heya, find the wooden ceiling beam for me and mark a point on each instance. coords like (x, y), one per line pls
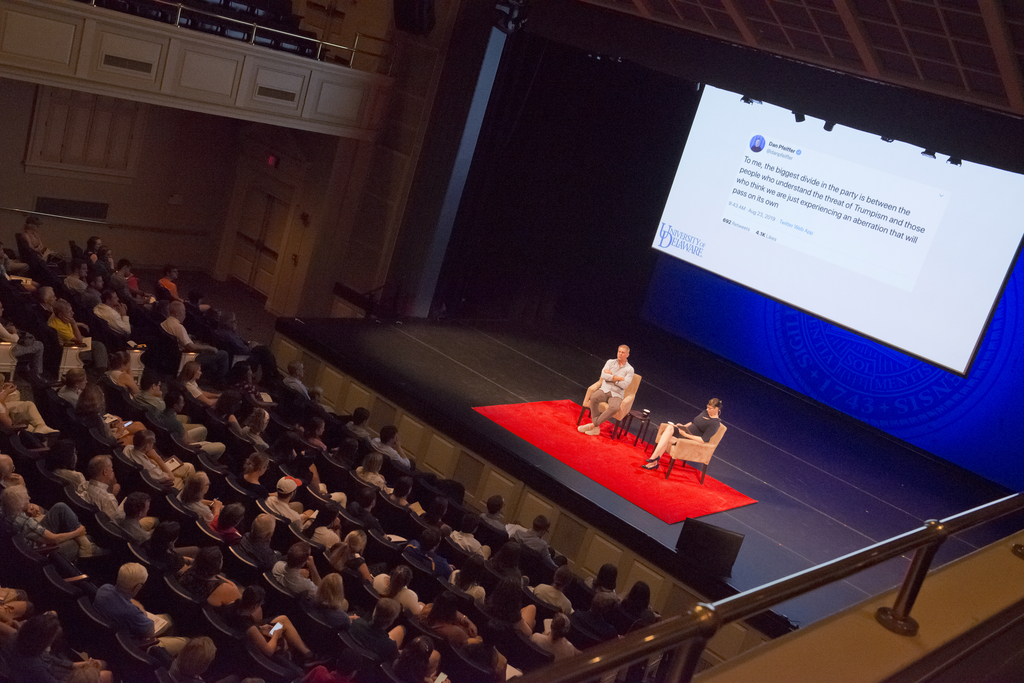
(860, 41)
(1002, 45)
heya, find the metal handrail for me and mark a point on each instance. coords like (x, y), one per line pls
(55, 215)
(321, 44)
(686, 635)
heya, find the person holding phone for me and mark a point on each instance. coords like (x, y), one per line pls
(268, 636)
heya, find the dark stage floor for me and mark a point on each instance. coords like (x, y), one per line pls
(826, 485)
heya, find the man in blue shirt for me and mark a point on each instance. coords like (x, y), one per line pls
(118, 604)
(425, 551)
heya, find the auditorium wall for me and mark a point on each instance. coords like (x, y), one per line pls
(179, 194)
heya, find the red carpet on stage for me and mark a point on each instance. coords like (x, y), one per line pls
(616, 465)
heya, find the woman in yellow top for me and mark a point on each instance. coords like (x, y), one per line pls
(70, 333)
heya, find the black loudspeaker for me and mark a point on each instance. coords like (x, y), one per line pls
(414, 16)
(709, 548)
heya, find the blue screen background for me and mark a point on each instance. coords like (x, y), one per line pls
(976, 422)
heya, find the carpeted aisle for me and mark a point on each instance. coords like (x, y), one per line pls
(616, 465)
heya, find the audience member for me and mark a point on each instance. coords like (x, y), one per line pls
(469, 578)
(443, 619)
(606, 580)
(120, 372)
(361, 508)
(213, 361)
(554, 593)
(189, 377)
(102, 488)
(62, 460)
(297, 572)
(136, 522)
(193, 496)
(329, 602)
(369, 471)
(193, 660)
(118, 603)
(281, 502)
(161, 549)
(464, 538)
(30, 658)
(204, 580)
(493, 518)
(424, 550)
(396, 586)
(256, 543)
(17, 413)
(74, 382)
(326, 528)
(504, 605)
(372, 634)
(594, 621)
(417, 662)
(246, 615)
(111, 311)
(25, 346)
(390, 444)
(255, 466)
(554, 639)
(295, 377)
(225, 524)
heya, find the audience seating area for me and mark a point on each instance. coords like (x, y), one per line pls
(269, 23)
(300, 439)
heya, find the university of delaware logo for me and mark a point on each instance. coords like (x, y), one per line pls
(677, 239)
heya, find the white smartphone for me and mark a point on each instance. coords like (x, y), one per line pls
(277, 627)
(129, 423)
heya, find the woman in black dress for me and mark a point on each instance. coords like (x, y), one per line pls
(701, 430)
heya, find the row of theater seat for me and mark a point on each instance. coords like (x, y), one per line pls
(268, 23)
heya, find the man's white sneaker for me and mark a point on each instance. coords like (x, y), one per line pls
(593, 431)
(585, 428)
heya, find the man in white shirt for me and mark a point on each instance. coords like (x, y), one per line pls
(390, 445)
(103, 487)
(214, 361)
(554, 594)
(465, 539)
(282, 504)
(113, 312)
(615, 378)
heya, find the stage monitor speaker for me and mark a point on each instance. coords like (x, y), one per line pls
(415, 16)
(709, 548)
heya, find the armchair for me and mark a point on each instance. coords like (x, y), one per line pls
(624, 407)
(691, 451)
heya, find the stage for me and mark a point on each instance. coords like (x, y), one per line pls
(825, 485)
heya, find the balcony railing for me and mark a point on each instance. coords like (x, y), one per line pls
(681, 640)
(302, 43)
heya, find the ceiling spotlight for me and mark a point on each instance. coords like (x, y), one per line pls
(885, 139)
(746, 100)
(928, 153)
(954, 161)
(829, 125)
(799, 117)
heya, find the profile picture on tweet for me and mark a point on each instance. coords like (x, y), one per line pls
(757, 143)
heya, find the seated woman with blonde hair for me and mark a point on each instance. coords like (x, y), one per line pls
(329, 602)
(369, 471)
